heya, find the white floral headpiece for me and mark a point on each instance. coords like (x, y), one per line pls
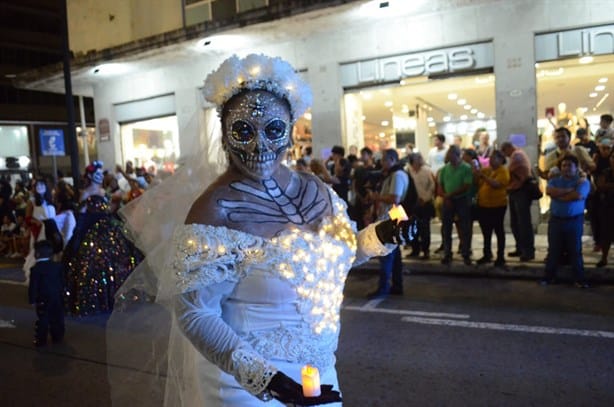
(258, 72)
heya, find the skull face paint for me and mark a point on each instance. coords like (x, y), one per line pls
(256, 132)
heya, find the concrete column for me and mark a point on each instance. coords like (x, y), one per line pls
(326, 109)
(515, 85)
(108, 151)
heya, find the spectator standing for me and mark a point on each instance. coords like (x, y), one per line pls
(605, 127)
(45, 293)
(423, 179)
(393, 190)
(319, 170)
(21, 238)
(605, 209)
(568, 193)
(340, 170)
(519, 168)
(583, 140)
(364, 180)
(436, 158)
(470, 156)
(492, 204)
(484, 149)
(7, 231)
(562, 139)
(455, 181)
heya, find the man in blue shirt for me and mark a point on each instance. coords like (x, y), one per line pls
(568, 194)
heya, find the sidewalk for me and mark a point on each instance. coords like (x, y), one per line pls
(514, 268)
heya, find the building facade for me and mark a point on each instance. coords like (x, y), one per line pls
(383, 74)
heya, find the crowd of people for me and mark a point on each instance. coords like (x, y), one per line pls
(84, 233)
(460, 186)
(253, 272)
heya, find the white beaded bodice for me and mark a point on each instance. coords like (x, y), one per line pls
(286, 291)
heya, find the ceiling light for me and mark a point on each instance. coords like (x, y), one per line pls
(364, 117)
(366, 95)
(452, 96)
(10, 75)
(593, 95)
(602, 80)
(405, 109)
(536, 65)
(599, 88)
(385, 123)
(431, 124)
(461, 102)
(446, 118)
(388, 103)
(586, 60)
(467, 107)
(382, 134)
(474, 110)
(429, 119)
(463, 117)
(602, 100)
(481, 115)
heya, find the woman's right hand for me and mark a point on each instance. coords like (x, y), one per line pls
(286, 390)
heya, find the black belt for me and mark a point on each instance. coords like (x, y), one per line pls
(565, 217)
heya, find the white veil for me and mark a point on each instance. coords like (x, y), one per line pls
(147, 358)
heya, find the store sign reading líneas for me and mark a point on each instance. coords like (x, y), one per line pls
(394, 68)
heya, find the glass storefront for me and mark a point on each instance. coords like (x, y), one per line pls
(409, 113)
(573, 93)
(152, 144)
(14, 149)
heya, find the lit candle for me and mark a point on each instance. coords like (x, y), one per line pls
(311, 381)
(397, 213)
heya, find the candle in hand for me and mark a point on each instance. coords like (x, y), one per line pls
(397, 213)
(311, 381)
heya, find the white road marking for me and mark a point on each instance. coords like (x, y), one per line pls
(6, 324)
(370, 307)
(510, 327)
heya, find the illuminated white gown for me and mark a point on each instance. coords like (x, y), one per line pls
(251, 306)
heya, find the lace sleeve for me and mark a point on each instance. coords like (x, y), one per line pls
(206, 255)
(199, 316)
(207, 263)
(368, 245)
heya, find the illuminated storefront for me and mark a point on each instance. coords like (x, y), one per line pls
(392, 101)
(152, 144)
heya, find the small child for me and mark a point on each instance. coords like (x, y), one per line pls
(45, 292)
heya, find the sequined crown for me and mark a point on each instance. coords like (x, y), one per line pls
(258, 72)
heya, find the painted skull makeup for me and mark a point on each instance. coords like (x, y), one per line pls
(257, 129)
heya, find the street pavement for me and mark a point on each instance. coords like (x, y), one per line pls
(459, 336)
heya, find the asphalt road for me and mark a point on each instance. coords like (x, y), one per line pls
(449, 341)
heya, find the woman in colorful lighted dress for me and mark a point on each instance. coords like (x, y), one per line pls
(98, 257)
(254, 278)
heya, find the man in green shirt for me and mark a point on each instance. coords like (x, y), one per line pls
(455, 180)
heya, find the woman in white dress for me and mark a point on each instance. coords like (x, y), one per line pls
(39, 208)
(256, 273)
